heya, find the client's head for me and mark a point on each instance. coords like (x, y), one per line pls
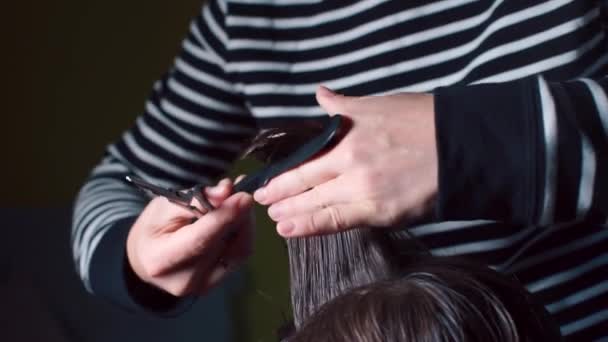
(437, 300)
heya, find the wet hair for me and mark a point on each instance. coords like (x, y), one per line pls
(381, 284)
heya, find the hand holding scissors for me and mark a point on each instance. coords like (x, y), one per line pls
(185, 241)
(186, 249)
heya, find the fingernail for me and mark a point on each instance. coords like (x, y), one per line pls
(285, 227)
(260, 195)
(274, 212)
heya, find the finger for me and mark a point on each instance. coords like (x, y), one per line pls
(206, 270)
(332, 102)
(206, 198)
(352, 106)
(215, 276)
(328, 220)
(173, 216)
(215, 265)
(235, 254)
(218, 193)
(185, 278)
(329, 193)
(192, 240)
(297, 180)
(335, 103)
(241, 245)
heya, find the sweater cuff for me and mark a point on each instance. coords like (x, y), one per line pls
(112, 278)
(488, 150)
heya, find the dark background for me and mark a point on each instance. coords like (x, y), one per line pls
(76, 74)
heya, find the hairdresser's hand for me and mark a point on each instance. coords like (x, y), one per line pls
(168, 250)
(383, 172)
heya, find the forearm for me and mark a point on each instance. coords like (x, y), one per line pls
(522, 152)
(103, 201)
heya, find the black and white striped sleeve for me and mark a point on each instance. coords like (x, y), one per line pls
(191, 130)
(528, 151)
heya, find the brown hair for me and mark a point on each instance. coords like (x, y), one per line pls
(439, 299)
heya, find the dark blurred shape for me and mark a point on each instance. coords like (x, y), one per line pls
(42, 299)
(75, 76)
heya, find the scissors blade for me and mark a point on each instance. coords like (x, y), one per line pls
(180, 198)
(155, 189)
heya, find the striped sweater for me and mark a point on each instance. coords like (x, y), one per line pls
(522, 127)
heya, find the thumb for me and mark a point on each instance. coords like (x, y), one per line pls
(332, 102)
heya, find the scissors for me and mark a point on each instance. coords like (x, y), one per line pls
(250, 183)
(183, 198)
